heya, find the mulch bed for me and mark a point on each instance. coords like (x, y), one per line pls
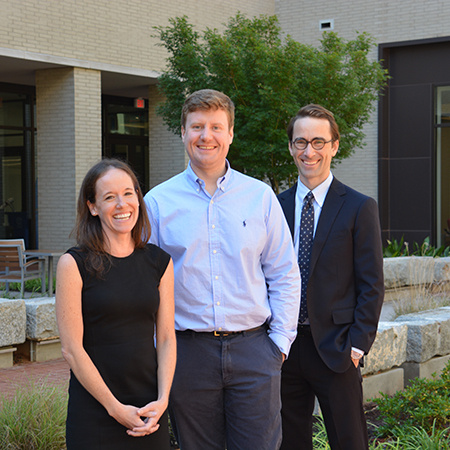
(373, 419)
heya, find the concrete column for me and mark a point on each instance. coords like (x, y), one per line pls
(68, 104)
(167, 155)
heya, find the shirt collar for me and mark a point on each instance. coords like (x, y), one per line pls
(222, 182)
(320, 192)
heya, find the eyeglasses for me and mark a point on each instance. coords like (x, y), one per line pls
(316, 143)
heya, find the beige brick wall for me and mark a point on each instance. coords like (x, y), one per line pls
(386, 21)
(167, 155)
(360, 171)
(88, 122)
(109, 31)
(68, 104)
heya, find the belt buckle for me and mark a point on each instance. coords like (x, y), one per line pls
(220, 334)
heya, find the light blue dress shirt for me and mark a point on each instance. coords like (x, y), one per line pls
(234, 262)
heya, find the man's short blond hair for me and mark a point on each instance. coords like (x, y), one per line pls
(206, 99)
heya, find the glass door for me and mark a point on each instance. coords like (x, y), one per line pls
(443, 165)
(16, 167)
(125, 135)
(135, 154)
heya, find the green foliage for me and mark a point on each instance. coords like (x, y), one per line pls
(320, 439)
(30, 285)
(269, 79)
(428, 250)
(34, 418)
(425, 404)
(417, 418)
(418, 439)
(395, 248)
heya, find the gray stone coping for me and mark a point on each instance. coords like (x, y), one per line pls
(41, 318)
(411, 338)
(413, 270)
(428, 334)
(13, 321)
(389, 348)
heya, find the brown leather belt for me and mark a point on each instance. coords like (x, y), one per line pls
(218, 333)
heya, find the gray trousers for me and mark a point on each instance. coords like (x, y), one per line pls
(226, 392)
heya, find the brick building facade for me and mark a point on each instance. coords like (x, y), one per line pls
(69, 70)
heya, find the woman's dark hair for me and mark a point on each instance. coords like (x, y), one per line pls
(88, 229)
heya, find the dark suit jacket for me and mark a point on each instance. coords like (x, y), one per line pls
(346, 286)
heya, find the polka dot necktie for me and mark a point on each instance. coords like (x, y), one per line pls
(304, 249)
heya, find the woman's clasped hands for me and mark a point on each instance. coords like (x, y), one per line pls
(144, 421)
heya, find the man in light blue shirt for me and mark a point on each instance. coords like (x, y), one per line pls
(237, 288)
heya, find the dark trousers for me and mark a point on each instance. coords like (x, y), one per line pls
(304, 376)
(226, 392)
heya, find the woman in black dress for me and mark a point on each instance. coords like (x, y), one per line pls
(114, 300)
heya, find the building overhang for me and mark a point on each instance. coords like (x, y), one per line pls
(19, 67)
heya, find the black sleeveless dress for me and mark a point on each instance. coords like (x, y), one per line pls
(119, 317)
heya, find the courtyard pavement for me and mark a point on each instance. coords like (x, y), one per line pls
(55, 371)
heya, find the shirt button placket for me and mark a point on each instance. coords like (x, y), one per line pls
(215, 264)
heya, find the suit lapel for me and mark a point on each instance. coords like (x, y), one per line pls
(331, 207)
(287, 200)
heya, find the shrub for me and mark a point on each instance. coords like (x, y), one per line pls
(417, 438)
(34, 419)
(395, 248)
(425, 403)
(30, 286)
(320, 439)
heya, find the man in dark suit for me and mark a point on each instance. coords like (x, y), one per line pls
(337, 233)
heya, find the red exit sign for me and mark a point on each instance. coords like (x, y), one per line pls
(139, 103)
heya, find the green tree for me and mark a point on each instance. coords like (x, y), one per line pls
(269, 79)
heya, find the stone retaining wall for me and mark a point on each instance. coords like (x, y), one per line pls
(41, 318)
(29, 327)
(13, 321)
(12, 329)
(407, 271)
(412, 345)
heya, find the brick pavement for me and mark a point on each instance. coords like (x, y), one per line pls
(55, 371)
